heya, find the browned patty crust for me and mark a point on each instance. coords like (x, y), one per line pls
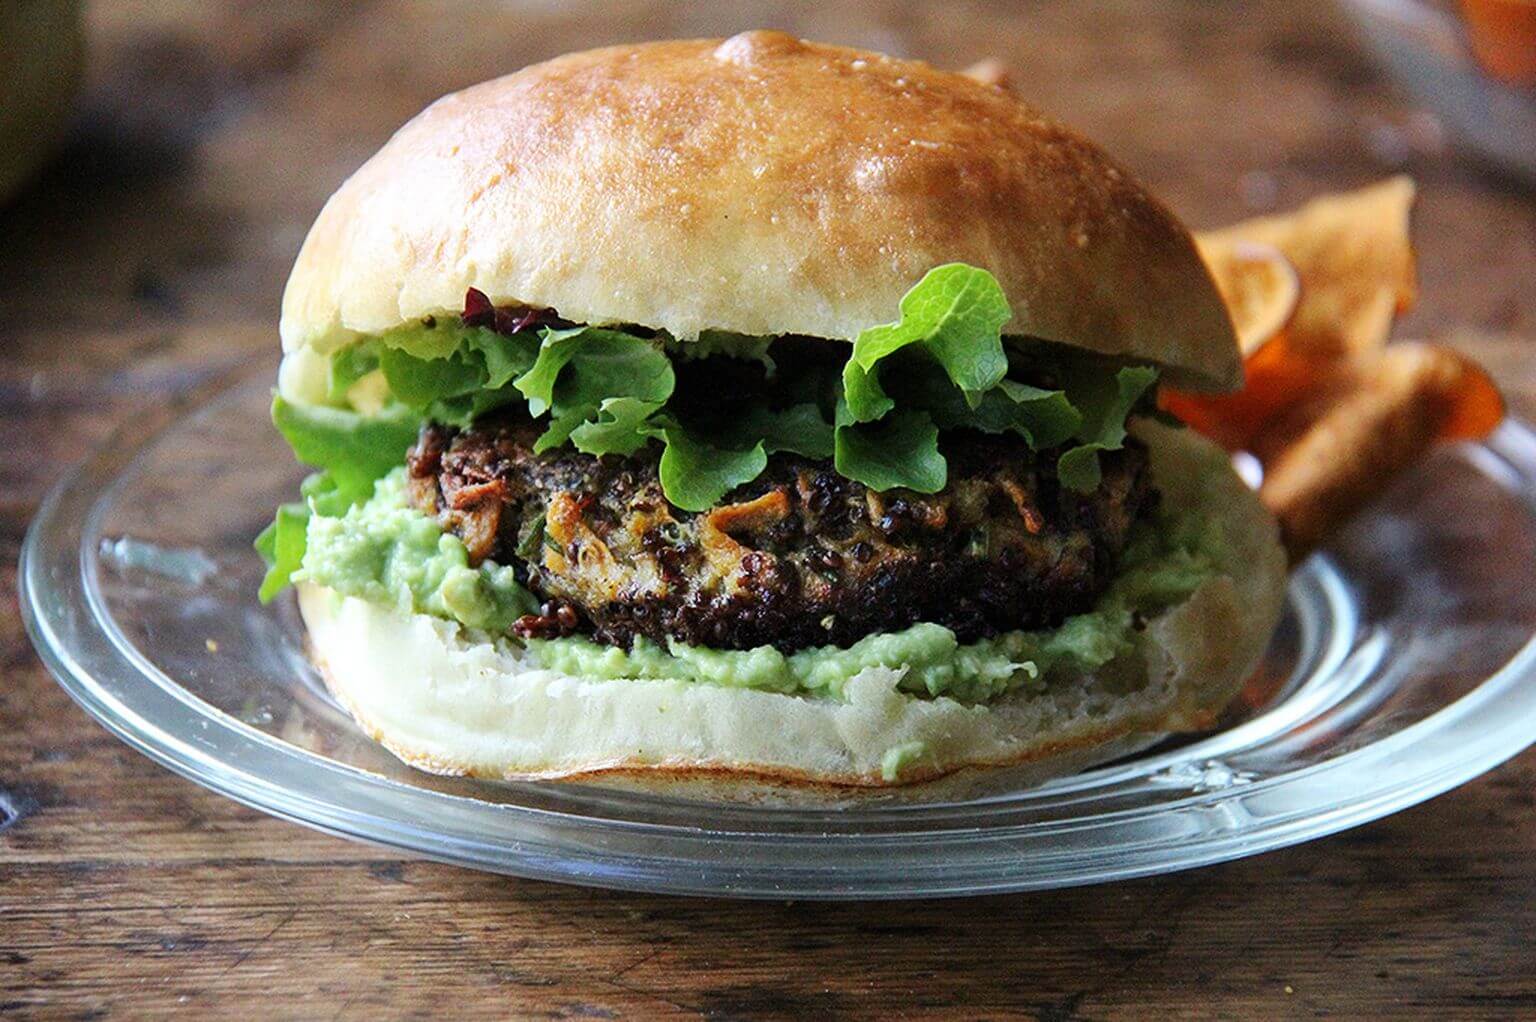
(798, 557)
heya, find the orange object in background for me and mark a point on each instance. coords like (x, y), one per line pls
(1257, 282)
(1377, 417)
(1504, 37)
(1351, 254)
(1329, 408)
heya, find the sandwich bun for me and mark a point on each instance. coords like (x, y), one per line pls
(761, 185)
(460, 703)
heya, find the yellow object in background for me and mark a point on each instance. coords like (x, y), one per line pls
(42, 55)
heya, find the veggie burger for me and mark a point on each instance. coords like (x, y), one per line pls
(758, 409)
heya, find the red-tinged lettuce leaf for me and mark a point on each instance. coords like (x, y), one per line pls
(479, 311)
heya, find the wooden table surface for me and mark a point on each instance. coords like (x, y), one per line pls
(151, 257)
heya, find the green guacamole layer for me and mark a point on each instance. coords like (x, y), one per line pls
(387, 552)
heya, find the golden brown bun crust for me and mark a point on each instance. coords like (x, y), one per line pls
(761, 185)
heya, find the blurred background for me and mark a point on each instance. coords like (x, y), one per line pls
(151, 203)
(160, 162)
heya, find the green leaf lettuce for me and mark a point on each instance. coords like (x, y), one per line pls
(941, 366)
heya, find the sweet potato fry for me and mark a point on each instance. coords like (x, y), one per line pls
(1353, 255)
(1384, 412)
(1329, 410)
(1503, 34)
(1282, 385)
(1258, 283)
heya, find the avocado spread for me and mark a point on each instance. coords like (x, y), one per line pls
(387, 552)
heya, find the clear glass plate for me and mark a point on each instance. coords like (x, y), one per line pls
(1403, 668)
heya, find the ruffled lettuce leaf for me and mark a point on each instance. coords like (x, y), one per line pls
(354, 449)
(349, 365)
(723, 344)
(1043, 417)
(577, 370)
(955, 314)
(281, 545)
(504, 358)
(942, 365)
(605, 392)
(695, 475)
(899, 450)
(555, 352)
(1105, 402)
(452, 383)
(800, 429)
(954, 317)
(419, 382)
(622, 426)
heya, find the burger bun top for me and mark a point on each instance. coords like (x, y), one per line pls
(761, 185)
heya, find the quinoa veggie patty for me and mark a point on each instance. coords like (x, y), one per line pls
(801, 556)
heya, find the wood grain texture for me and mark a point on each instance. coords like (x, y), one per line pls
(150, 258)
